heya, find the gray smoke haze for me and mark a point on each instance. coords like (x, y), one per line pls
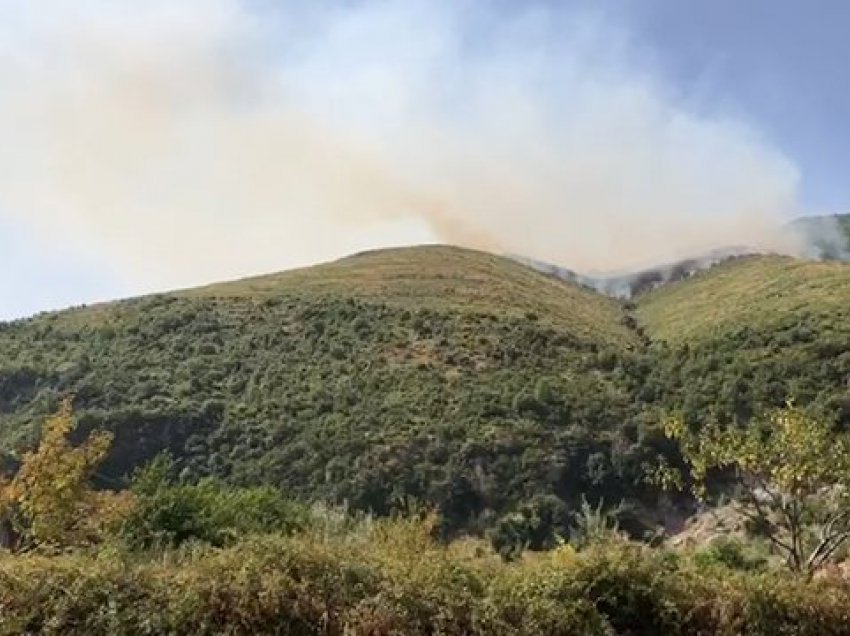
(190, 141)
(824, 237)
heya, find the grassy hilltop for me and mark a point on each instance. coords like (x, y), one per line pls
(444, 278)
(763, 293)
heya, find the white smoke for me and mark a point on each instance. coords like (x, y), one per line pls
(185, 142)
(824, 237)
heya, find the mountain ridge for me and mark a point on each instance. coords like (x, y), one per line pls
(823, 238)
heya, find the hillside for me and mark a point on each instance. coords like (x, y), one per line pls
(444, 278)
(764, 293)
(459, 378)
(751, 332)
(449, 375)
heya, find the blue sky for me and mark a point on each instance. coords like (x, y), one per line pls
(40, 274)
(778, 63)
(152, 145)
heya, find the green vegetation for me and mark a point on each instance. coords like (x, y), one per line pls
(759, 293)
(454, 377)
(444, 279)
(747, 336)
(210, 558)
(167, 514)
(791, 474)
(462, 380)
(385, 577)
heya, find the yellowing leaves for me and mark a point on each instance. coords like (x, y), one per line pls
(50, 500)
(793, 473)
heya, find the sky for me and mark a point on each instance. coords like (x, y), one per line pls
(150, 145)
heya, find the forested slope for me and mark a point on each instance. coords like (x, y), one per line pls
(449, 375)
(752, 333)
(456, 377)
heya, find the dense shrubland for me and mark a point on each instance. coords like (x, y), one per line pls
(209, 558)
(750, 335)
(461, 380)
(392, 577)
(341, 400)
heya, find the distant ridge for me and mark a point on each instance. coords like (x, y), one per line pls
(826, 238)
(627, 285)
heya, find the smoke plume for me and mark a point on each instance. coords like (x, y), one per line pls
(190, 141)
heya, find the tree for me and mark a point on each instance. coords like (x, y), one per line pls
(792, 478)
(536, 525)
(50, 501)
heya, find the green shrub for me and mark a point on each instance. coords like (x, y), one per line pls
(537, 525)
(168, 514)
(729, 553)
(594, 525)
(390, 577)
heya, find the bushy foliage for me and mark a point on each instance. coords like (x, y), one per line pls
(536, 525)
(342, 400)
(729, 552)
(748, 335)
(459, 379)
(167, 514)
(49, 501)
(391, 577)
(792, 477)
(594, 525)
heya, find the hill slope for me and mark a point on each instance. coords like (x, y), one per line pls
(457, 377)
(444, 278)
(750, 333)
(450, 375)
(766, 293)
